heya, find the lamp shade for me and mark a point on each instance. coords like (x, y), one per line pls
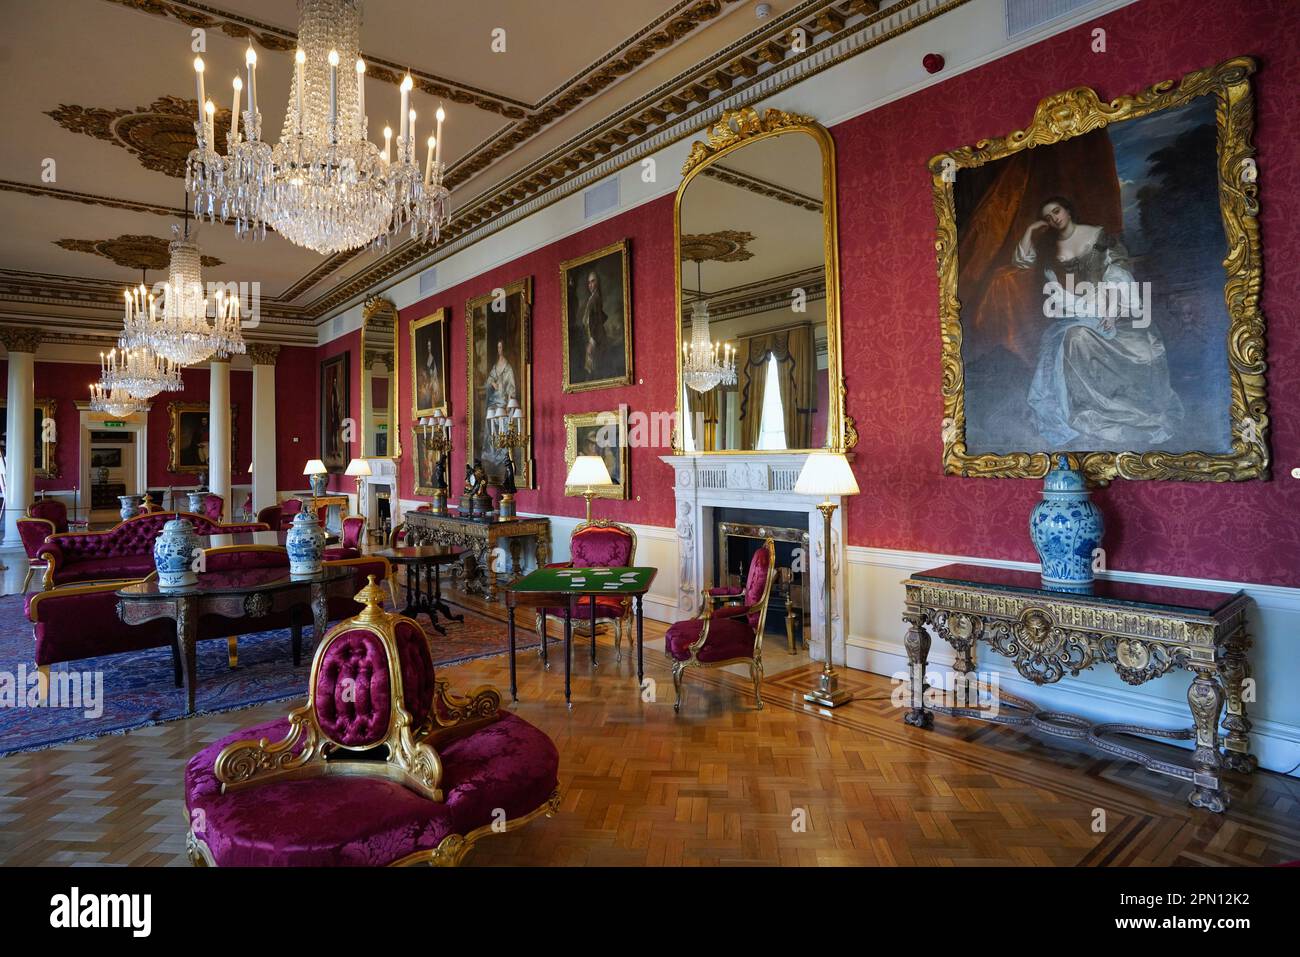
(826, 473)
(315, 467)
(358, 467)
(588, 470)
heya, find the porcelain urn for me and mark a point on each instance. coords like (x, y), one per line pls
(1066, 528)
(305, 542)
(173, 554)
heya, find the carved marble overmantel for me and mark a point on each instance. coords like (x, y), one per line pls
(766, 481)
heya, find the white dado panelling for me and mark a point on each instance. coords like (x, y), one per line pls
(876, 645)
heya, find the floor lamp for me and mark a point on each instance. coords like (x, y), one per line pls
(827, 474)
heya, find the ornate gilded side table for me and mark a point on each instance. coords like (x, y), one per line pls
(480, 538)
(1142, 631)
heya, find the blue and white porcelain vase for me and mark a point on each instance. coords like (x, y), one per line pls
(129, 506)
(318, 483)
(305, 543)
(173, 554)
(196, 501)
(1066, 528)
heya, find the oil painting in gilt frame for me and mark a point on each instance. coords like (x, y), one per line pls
(603, 434)
(597, 320)
(335, 406)
(498, 329)
(426, 462)
(189, 435)
(1099, 277)
(429, 365)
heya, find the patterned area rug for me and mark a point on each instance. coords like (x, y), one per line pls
(133, 690)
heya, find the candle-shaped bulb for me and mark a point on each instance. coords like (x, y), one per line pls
(300, 57)
(441, 114)
(407, 83)
(198, 64)
(388, 142)
(334, 57)
(198, 83)
(428, 162)
(251, 56)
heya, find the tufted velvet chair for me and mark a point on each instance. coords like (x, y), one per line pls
(354, 530)
(730, 634)
(393, 767)
(270, 516)
(288, 509)
(213, 506)
(598, 544)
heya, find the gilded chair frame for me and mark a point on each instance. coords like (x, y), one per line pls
(412, 757)
(32, 562)
(736, 130)
(617, 625)
(754, 661)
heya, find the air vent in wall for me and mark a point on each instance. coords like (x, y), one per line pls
(600, 198)
(429, 281)
(1025, 15)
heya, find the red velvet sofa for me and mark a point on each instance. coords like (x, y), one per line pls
(81, 621)
(123, 551)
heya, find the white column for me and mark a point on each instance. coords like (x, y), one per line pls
(219, 433)
(264, 474)
(20, 448)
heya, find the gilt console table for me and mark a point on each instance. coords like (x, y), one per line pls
(480, 538)
(1142, 631)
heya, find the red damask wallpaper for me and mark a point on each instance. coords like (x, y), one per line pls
(1247, 532)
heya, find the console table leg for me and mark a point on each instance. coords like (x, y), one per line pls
(319, 614)
(1234, 670)
(1205, 698)
(187, 640)
(917, 642)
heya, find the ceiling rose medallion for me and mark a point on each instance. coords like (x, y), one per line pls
(131, 251)
(160, 136)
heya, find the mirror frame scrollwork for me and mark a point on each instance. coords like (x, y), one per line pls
(737, 129)
(385, 307)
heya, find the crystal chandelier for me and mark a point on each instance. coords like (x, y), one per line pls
(705, 365)
(139, 372)
(324, 185)
(183, 334)
(114, 402)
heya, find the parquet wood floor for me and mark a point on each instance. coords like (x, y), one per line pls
(719, 784)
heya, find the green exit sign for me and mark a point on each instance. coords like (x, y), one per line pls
(113, 424)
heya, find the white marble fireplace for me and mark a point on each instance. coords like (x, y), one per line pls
(766, 481)
(383, 478)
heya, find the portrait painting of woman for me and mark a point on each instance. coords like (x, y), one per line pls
(498, 330)
(429, 365)
(1090, 279)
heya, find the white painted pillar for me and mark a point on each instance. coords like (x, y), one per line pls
(20, 449)
(264, 472)
(219, 434)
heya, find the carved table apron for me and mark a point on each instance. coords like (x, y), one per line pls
(479, 539)
(191, 604)
(1142, 631)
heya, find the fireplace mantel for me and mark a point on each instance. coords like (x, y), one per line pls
(765, 481)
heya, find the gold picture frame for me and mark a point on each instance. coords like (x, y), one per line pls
(431, 331)
(484, 324)
(571, 308)
(46, 465)
(1073, 113)
(178, 458)
(579, 439)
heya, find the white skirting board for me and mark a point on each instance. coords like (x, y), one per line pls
(876, 630)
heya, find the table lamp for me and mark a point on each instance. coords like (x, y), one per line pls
(827, 474)
(316, 469)
(360, 470)
(588, 470)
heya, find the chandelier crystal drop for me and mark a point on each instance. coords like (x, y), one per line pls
(138, 372)
(183, 334)
(114, 402)
(324, 185)
(706, 365)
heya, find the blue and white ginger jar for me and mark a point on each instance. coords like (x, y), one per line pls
(1066, 528)
(305, 542)
(173, 554)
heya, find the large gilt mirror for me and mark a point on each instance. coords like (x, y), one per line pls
(758, 289)
(380, 434)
